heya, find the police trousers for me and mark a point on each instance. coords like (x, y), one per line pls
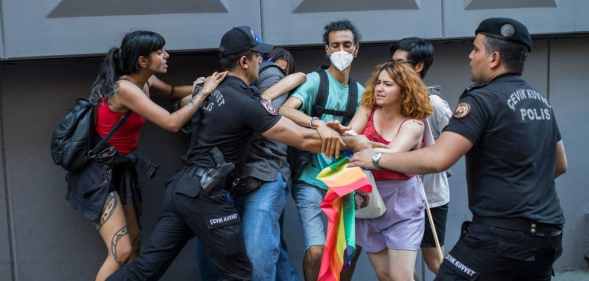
(491, 252)
(188, 212)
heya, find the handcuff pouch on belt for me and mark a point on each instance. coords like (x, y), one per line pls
(195, 178)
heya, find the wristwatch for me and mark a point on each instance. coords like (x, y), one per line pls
(376, 158)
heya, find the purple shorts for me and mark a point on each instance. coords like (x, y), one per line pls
(402, 225)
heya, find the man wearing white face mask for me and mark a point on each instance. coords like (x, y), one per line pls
(327, 95)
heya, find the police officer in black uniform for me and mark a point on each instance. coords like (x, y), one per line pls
(197, 201)
(513, 147)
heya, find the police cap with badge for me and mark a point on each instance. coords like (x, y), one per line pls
(506, 29)
(240, 39)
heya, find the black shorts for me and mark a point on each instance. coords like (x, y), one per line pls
(89, 188)
(485, 253)
(439, 216)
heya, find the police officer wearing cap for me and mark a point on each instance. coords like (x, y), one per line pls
(514, 152)
(197, 201)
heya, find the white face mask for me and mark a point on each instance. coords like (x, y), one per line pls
(341, 60)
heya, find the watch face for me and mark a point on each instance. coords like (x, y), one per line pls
(376, 157)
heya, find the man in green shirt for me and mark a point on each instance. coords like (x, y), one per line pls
(341, 46)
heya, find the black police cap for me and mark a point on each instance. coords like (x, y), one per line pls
(240, 39)
(506, 29)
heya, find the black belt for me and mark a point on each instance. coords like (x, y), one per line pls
(211, 178)
(525, 225)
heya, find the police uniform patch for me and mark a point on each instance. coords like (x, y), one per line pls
(461, 110)
(222, 220)
(462, 268)
(268, 106)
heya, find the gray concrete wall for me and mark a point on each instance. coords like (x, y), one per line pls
(50, 241)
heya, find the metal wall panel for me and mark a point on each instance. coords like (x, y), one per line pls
(51, 242)
(541, 16)
(569, 70)
(292, 22)
(65, 27)
(502, 4)
(1, 30)
(580, 15)
(5, 249)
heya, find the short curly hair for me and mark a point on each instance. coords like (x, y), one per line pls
(340, 25)
(415, 102)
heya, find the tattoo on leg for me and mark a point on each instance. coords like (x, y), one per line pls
(115, 241)
(109, 208)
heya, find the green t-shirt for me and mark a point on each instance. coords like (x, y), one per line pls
(336, 100)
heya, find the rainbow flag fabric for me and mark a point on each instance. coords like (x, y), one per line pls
(339, 208)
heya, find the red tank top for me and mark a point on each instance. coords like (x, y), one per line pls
(126, 138)
(371, 133)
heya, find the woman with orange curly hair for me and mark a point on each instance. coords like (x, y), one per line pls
(394, 107)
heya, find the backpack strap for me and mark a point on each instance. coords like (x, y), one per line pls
(319, 108)
(100, 145)
(352, 101)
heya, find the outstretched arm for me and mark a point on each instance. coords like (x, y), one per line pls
(432, 159)
(290, 110)
(286, 131)
(331, 139)
(135, 100)
(284, 86)
(166, 90)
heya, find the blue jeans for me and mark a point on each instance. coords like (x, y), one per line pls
(261, 213)
(285, 271)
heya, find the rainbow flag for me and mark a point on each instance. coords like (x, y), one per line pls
(339, 208)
